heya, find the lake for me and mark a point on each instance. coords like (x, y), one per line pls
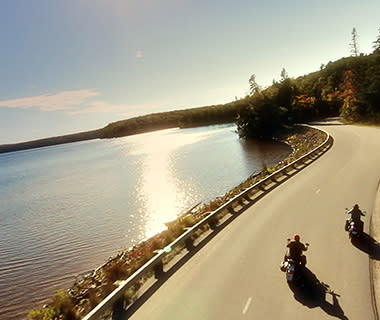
(65, 209)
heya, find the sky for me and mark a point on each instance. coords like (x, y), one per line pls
(68, 66)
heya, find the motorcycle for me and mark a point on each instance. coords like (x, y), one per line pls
(292, 267)
(354, 228)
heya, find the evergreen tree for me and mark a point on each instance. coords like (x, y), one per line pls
(284, 74)
(354, 43)
(376, 43)
(253, 86)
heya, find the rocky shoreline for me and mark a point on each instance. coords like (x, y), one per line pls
(87, 292)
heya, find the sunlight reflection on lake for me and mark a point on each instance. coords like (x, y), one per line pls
(160, 193)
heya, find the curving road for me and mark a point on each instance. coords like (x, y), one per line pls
(236, 275)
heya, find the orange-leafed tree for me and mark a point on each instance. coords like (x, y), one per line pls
(304, 107)
(348, 94)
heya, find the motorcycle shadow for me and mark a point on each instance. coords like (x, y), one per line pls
(368, 245)
(311, 292)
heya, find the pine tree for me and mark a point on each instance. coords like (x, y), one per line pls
(253, 86)
(376, 43)
(354, 43)
(284, 74)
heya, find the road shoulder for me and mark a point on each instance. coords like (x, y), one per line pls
(374, 263)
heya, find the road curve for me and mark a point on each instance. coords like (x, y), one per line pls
(236, 275)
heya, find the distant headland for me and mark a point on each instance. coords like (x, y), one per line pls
(156, 121)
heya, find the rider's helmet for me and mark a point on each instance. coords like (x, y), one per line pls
(356, 207)
(297, 237)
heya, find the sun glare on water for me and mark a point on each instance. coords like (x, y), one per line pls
(160, 193)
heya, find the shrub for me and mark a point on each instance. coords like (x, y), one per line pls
(62, 306)
(42, 314)
(118, 270)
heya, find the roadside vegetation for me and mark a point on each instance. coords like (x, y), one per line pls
(349, 88)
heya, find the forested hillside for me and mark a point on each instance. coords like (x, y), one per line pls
(226, 113)
(349, 87)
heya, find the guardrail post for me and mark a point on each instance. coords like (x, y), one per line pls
(314, 154)
(158, 270)
(261, 187)
(189, 244)
(273, 178)
(231, 210)
(213, 224)
(286, 169)
(118, 308)
(241, 202)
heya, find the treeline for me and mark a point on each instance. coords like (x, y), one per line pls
(69, 138)
(218, 114)
(224, 113)
(349, 87)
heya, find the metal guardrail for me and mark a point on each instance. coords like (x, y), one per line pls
(155, 264)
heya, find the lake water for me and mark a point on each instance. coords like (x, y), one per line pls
(65, 209)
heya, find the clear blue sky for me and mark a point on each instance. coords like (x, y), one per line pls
(74, 65)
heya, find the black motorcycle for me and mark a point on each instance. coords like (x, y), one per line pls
(354, 228)
(291, 267)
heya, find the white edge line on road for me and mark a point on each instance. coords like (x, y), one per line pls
(247, 305)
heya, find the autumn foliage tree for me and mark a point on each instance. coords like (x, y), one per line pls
(348, 95)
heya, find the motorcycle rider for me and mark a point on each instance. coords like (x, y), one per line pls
(355, 213)
(295, 249)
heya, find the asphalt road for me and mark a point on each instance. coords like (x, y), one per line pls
(236, 275)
